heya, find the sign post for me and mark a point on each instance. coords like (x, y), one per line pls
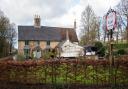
(111, 24)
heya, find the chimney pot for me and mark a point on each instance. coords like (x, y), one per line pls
(37, 21)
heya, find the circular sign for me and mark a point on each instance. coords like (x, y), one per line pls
(111, 20)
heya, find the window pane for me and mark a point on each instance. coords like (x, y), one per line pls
(26, 42)
(37, 43)
(48, 42)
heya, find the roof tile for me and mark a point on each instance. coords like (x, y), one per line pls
(46, 33)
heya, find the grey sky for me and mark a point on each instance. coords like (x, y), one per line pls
(52, 12)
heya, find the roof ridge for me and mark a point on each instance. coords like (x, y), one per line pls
(45, 26)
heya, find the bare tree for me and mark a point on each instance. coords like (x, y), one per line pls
(123, 10)
(119, 32)
(104, 28)
(6, 33)
(98, 28)
(3, 32)
(89, 26)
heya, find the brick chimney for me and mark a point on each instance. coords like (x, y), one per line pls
(37, 21)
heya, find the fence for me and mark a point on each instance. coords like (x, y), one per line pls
(66, 72)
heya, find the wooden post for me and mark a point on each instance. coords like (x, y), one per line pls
(111, 59)
(111, 48)
(111, 24)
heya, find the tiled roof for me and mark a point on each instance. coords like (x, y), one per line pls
(46, 33)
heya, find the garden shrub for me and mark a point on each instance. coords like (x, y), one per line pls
(100, 48)
(47, 55)
(120, 46)
(20, 57)
(121, 52)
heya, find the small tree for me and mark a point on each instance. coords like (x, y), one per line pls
(123, 9)
(89, 26)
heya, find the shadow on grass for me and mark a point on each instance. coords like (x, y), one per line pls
(15, 85)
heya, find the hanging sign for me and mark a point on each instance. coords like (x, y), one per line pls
(111, 20)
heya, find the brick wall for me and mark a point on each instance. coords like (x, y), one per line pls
(32, 44)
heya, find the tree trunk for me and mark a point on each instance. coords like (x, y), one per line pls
(117, 35)
(98, 34)
(105, 36)
(127, 30)
(121, 32)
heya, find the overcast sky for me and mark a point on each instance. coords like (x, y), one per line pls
(52, 12)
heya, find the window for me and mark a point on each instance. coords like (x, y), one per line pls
(48, 42)
(37, 43)
(26, 42)
(26, 51)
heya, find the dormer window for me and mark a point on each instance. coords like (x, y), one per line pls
(48, 43)
(37, 43)
(26, 42)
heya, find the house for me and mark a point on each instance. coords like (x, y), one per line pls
(69, 49)
(32, 40)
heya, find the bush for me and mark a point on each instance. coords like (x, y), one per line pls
(61, 72)
(47, 55)
(20, 57)
(121, 52)
(120, 46)
(100, 48)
